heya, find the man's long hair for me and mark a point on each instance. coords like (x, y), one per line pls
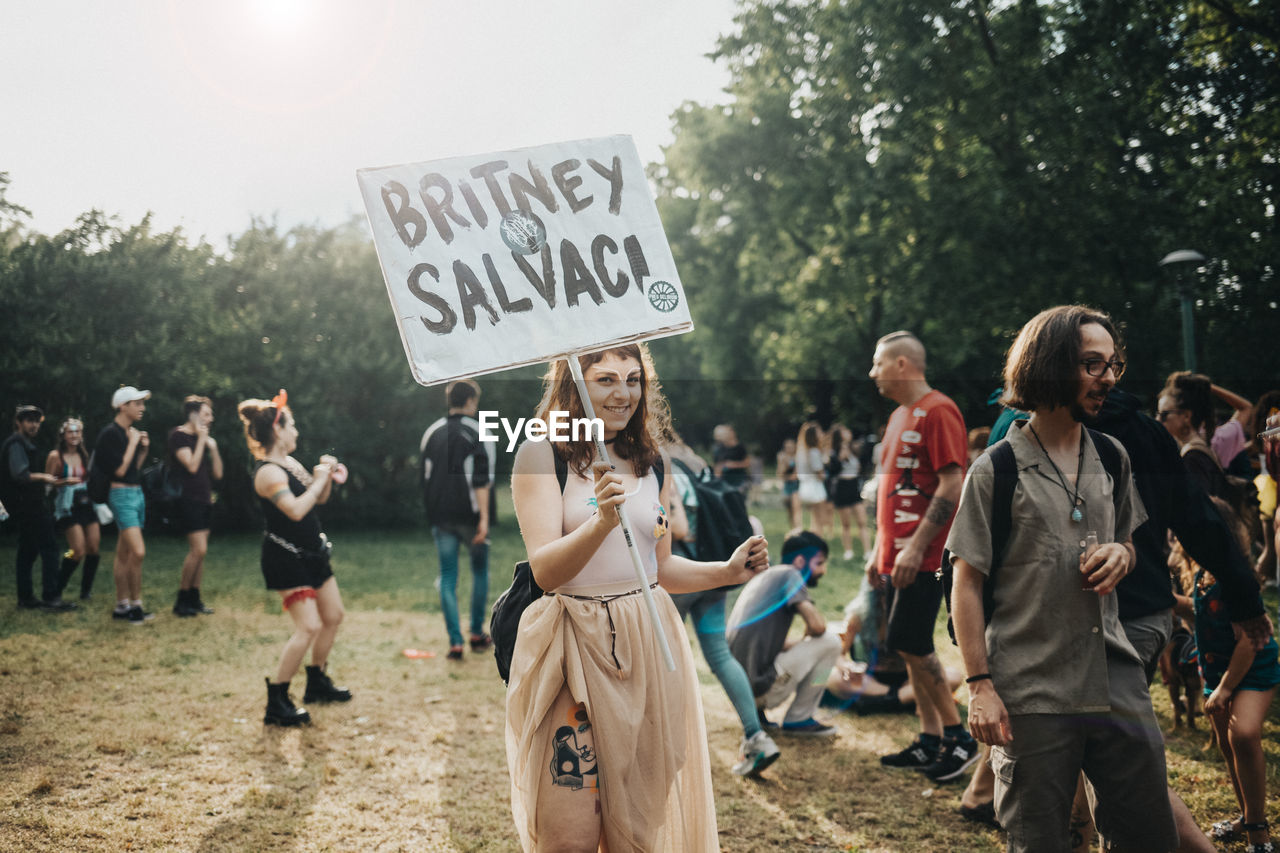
(1042, 368)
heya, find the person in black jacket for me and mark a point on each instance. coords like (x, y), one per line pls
(457, 480)
(22, 486)
(1175, 502)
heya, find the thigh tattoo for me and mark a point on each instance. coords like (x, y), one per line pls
(573, 764)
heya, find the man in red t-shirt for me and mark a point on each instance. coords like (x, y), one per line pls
(922, 461)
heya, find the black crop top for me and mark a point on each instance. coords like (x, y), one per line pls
(303, 534)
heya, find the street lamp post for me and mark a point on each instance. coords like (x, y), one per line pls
(1186, 293)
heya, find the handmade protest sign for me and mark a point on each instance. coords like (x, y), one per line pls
(495, 261)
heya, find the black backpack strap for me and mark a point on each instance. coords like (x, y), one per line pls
(1005, 467)
(1111, 463)
(659, 470)
(1005, 482)
(1005, 470)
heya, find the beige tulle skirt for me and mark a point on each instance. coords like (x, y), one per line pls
(651, 741)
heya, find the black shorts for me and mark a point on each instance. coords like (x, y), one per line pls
(913, 615)
(847, 492)
(282, 569)
(81, 514)
(188, 516)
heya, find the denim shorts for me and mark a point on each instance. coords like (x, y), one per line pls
(128, 506)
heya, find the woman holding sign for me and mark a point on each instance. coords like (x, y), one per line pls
(604, 744)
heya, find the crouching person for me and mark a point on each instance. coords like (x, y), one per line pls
(780, 669)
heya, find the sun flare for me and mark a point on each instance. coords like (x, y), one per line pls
(280, 15)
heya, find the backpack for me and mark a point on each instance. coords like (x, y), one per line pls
(99, 482)
(161, 483)
(1005, 468)
(721, 521)
(504, 621)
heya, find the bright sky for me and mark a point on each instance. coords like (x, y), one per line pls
(209, 112)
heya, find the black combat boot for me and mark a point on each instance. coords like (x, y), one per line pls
(280, 708)
(182, 604)
(198, 603)
(321, 689)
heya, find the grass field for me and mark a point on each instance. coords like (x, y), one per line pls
(121, 738)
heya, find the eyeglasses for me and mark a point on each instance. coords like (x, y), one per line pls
(1165, 414)
(1098, 366)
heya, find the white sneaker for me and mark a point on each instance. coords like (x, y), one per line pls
(758, 752)
(848, 555)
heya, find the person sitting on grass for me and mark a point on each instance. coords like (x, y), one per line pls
(780, 669)
(873, 680)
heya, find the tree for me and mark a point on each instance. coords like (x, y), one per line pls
(954, 167)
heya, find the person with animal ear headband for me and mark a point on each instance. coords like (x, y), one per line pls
(295, 554)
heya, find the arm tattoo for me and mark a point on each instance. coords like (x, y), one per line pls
(275, 499)
(940, 511)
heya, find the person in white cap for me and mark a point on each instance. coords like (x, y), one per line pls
(120, 453)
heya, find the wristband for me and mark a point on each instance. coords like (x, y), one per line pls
(973, 679)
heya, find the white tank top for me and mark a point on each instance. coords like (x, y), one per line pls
(609, 571)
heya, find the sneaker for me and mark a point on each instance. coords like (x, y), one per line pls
(758, 752)
(955, 757)
(848, 555)
(481, 642)
(122, 615)
(455, 653)
(916, 756)
(808, 728)
(138, 616)
(30, 604)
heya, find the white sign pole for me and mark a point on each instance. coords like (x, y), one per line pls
(603, 453)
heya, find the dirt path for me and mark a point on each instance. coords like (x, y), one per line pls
(152, 739)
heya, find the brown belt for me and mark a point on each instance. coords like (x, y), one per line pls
(604, 599)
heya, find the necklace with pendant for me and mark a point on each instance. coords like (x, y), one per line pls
(1076, 515)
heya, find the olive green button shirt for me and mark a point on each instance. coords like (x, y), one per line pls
(1048, 640)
